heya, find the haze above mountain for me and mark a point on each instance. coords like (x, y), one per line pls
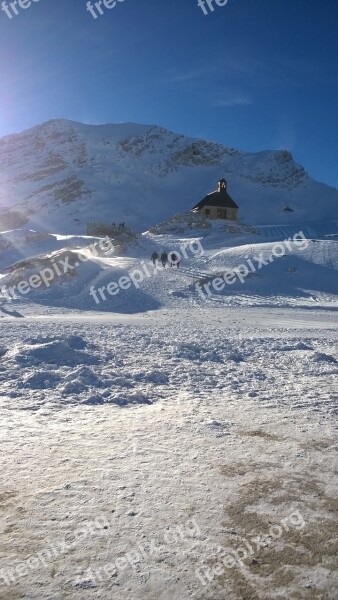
(59, 175)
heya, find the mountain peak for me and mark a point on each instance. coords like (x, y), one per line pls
(61, 174)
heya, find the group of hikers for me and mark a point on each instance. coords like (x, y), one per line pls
(172, 259)
(118, 228)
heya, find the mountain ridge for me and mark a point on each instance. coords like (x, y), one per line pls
(59, 175)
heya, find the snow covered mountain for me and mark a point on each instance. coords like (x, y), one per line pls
(61, 174)
(157, 420)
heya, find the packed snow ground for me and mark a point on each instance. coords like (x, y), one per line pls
(219, 433)
(148, 438)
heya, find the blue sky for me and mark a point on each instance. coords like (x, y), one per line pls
(254, 74)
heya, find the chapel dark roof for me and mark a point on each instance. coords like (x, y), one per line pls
(219, 198)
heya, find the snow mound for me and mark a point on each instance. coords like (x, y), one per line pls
(66, 369)
(323, 357)
(193, 352)
(63, 351)
(42, 380)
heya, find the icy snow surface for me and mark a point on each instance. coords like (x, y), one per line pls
(145, 438)
(220, 423)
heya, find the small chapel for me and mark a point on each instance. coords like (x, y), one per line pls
(218, 204)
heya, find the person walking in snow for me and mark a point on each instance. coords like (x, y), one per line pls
(154, 257)
(173, 259)
(164, 259)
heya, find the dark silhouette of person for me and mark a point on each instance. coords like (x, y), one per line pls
(173, 259)
(154, 257)
(164, 259)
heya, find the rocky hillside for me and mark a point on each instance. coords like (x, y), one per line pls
(61, 174)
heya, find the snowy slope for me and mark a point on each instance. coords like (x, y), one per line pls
(78, 267)
(61, 174)
(147, 436)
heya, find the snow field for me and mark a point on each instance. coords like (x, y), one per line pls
(200, 433)
(235, 436)
(289, 272)
(74, 367)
